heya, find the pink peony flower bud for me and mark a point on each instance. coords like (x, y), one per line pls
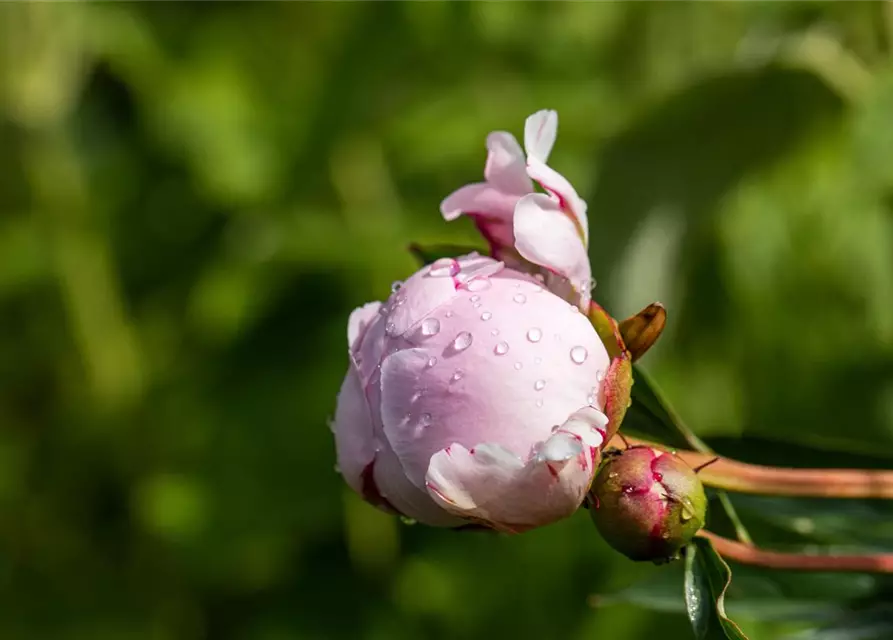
(647, 503)
(473, 395)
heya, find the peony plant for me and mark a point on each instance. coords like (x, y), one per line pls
(488, 390)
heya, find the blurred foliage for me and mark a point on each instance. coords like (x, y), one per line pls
(194, 196)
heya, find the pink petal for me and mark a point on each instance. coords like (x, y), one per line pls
(479, 198)
(490, 483)
(558, 185)
(546, 235)
(354, 437)
(506, 166)
(359, 321)
(540, 131)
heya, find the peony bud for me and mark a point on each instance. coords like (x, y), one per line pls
(647, 503)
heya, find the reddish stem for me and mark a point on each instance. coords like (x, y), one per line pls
(746, 554)
(724, 473)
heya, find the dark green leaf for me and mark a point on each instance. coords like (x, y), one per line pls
(707, 577)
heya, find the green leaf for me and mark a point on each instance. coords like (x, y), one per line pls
(707, 577)
(430, 253)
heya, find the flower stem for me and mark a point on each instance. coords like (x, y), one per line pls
(746, 554)
(742, 477)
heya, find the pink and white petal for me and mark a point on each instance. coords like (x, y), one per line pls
(489, 483)
(478, 198)
(353, 429)
(540, 131)
(506, 167)
(563, 190)
(359, 321)
(546, 235)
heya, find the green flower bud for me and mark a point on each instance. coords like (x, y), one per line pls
(647, 503)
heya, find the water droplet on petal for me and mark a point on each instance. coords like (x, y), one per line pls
(395, 286)
(443, 268)
(539, 385)
(430, 326)
(448, 314)
(599, 375)
(495, 332)
(479, 284)
(457, 375)
(539, 402)
(477, 305)
(424, 419)
(501, 349)
(486, 315)
(474, 298)
(574, 309)
(462, 341)
(520, 298)
(535, 334)
(431, 362)
(579, 354)
(390, 329)
(518, 366)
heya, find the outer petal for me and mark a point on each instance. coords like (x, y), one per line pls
(540, 131)
(354, 436)
(547, 236)
(359, 321)
(489, 483)
(561, 188)
(479, 198)
(506, 166)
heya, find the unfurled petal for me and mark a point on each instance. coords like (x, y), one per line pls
(540, 130)
(359, 321)
(558, 186)
(547, 236)
(506, 165)
(489, 483)
(479, 198)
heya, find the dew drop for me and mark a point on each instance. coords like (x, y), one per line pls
(431, 362)
(518, 366)
(535, 334)
(579, 354)
(457, 375)
(390, 329)
(539, 402)
(448, 314)
(501, 349)
(424, 419)
(445, 267)
(495, 332)
(486, 315)
(520, 298)
(599, 375)
(479, 284)
(462, 341)
(430, 326)
(395, 286)
(474, 298)
(539, 385)
(477, 305)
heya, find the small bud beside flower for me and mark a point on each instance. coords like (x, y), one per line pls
(647, 503)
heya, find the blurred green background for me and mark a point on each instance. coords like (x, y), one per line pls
(193, 197)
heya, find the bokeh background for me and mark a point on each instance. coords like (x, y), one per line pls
(193, 197)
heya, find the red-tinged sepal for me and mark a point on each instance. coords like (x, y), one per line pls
(607, 329)
(641, 331)
(616, 387)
